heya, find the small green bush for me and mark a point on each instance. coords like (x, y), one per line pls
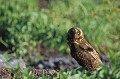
(15, 28)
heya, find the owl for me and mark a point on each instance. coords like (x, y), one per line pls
(82, 51)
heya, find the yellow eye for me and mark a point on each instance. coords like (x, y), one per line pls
(78, 33)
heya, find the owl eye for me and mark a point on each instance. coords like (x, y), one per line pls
(78, 33)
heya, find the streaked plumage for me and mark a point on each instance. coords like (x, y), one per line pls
(82, 51)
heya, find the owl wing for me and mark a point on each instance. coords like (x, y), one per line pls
(87, 47)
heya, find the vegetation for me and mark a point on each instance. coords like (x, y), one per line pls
(24, 26)
(104, 72)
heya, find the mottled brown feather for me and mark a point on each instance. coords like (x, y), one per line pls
(82, 51)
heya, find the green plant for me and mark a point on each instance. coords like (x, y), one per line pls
(23, 25)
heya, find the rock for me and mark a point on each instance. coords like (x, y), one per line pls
(13, 63)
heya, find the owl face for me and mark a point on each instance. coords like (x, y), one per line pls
(74, 33)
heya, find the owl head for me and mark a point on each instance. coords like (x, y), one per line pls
(74, 33)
